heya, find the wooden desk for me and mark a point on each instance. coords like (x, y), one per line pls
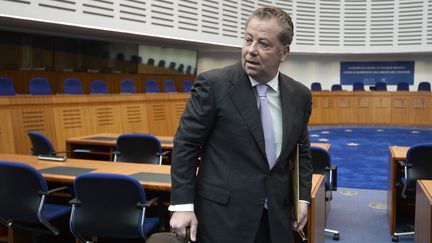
(104, 144)
(423, 212)
(98, 166)
(396, 153)
(317, 210)
(316, 215)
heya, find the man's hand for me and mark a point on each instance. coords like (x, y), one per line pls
(303, 208)
(180, 221)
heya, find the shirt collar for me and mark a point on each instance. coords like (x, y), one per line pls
(273, 83)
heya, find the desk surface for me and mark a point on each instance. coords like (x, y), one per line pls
(97, 167)
(423, 212)
(109, 139)
(398, 152)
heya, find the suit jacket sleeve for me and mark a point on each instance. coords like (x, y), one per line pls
(305, 167)
(194, 128)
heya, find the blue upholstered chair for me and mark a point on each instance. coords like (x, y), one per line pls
(127, 86)
(161, 63)
(39, 86)
(189, 69)
(23, 200)
(315, 86)
(187, 86)
(98, 87)
(72, 86)
(169, 86)
(424, 86)
(380, 86)
(41, 145)
(358, 86)
(151, 61)
(139, 148)
(336, 87)
(402, 86)
(151, 86)
(110, 206)
(321, 164)
(172, 65)
(6, 87)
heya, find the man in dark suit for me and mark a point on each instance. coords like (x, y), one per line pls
(242, 191)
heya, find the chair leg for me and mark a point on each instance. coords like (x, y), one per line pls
(395, 237)
(335, 233)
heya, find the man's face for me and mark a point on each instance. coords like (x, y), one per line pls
(262, 52)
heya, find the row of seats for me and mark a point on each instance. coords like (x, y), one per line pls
(104, 205)
(379, 86)
(41, 86)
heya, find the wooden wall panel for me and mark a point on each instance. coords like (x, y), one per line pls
(329, 110)
(381, 108)
(7, 141)
(315, 117)
(346, 110)
(400, 110)
(421, 109)
(134, 118)
(364, 109)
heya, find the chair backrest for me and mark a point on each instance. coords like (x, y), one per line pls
(380, 86)
(402, 86)
(72, 86)
(315, 86)
(20, 191)
(321, 164)
(419, 157)
(358, 86)
(424, 86)
(6, 87)
(150, 61)
(336, 87)
(41, 145)
(180, 68)
(98, 87)
(127, 86)
(172, 65)
(151, 86)
(187, 86)
(169, 86)
(189, 69)
(136, 59)
(138, 148)
(39, 86)
(161, 63)
(107, 206)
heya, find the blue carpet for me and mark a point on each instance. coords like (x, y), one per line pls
(360, 216)
(361, 153)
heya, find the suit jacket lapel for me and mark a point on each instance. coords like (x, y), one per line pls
(244, 99)
(289, 110)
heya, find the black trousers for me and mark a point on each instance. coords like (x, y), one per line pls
(263, 233)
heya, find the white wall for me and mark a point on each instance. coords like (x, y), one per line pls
(308, 68)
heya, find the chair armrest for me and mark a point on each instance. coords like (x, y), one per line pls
(57, 189)
(164, 153)
(75, 202)
(148, 203)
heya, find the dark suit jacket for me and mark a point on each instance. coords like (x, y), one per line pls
(221, 124)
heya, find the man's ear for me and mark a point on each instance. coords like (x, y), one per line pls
(285, 53)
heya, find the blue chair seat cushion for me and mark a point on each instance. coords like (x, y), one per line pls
(150, 223)
(54, 211)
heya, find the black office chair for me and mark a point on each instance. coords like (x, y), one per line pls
(41, 145)
(336, 87)
(358, 86)
(110, 206)
(418, 165)
(424, 86)
(139, 148)
(23, 195)
(316, 86)
(321, 163)
(402, 86)
(380, 86)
